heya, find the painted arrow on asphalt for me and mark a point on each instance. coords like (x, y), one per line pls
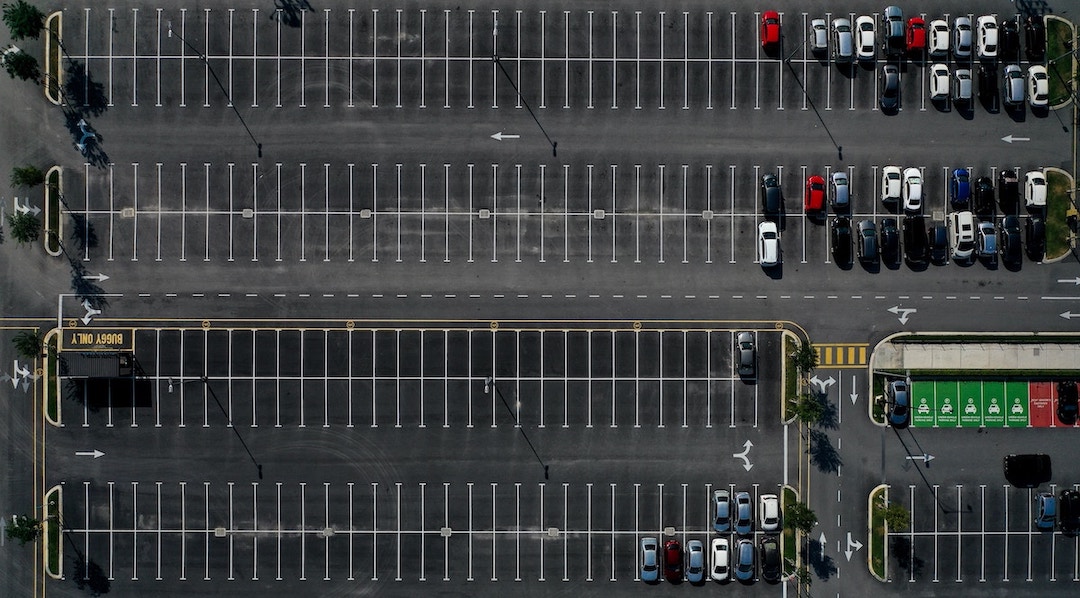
(857, 545)
(925, 458)
(854, 395)
(1075, 281)
(1068, 315)
(23, 209)
(94, 453)
(823, 384)
(1010, 139)
(500, 136)
(747, 465)
(822, 540)
(903, 312)
(90, 311)
(98, 277)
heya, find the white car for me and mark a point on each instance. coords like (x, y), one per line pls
(768, 244)
(1035, 189)
(891, 183)
(769, 511)
(961, 227)
(819, 35)
(912, 190)
(987, 36)
(961, 37)
(721, 559)
(864, 27)
(939, 38)
(939, 82)
(1038, 86)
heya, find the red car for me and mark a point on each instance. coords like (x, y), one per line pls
(814, 200)
(673, 561)
(916, 34)
(770, 28)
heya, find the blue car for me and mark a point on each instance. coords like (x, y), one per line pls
(960, 189)
(896, 397)
(721, 510)
(1047, 511)
(650, 564)
(695, 561)
(744, 563)
(744, 514)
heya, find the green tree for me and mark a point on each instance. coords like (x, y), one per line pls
(24, 529)
(28, 344)
(808, 409)
(25, 227)
(896, 517)
(26, 176)
(24, 20)
(799, 517)
(21, 65)
(805, 357)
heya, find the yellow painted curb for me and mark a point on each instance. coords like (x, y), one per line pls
(58, 250)
(54, 74)
(870, 534)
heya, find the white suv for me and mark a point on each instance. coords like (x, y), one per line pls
(961, 227)
(987, 36)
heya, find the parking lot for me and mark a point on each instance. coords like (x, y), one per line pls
(978, 532)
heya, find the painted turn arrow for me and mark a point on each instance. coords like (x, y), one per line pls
(857, 545)
(747, 465)
(823, 384)
(500, 136)
(94, 453)
(903, 312)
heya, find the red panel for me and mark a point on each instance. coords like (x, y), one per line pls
(1041, 404)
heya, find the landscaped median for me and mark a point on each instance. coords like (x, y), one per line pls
(1060, 40)
(53, 533)
(789, 541)
(54, 223)
(1059, 238)
(51, 376)
(54, 63)
(878, 554)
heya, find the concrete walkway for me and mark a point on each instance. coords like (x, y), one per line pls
(902, 356)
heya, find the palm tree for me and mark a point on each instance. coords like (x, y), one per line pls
(26, 176)
(24, 20)
(21, 65)
(28, 344)
(25, 228)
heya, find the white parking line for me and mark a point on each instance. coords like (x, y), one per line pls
(1030, 537)
(959, 531)
(731, 212)
(255, 530)
(780, 76)
(936, 528)
(206, 531)
(757, 68)
(183, 521)
(637, 60)
(134, 531)
(206, 63)
(708, 62)
(686, 61)
(158, 486)
(112, 29)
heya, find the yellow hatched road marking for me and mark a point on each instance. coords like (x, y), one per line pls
(841, 355)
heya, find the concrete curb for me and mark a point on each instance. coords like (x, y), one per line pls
(46, 375)
(1072, 27)
(798, 556)
(48, 212)
(1072, 185)
(53, 84)
(870, 534)
(58, 493)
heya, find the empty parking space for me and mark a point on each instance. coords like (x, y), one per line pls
(979, 533)
(430, 377)
(985, 403)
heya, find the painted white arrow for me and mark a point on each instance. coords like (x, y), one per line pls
(1075, 281)
(822, 540)
(20, 374)
(1010, 139)
(903, 312)
(98, 277)
(1068, 315)
(854, 395)
(851, 543)
(747, 465)
(823, 384)
(27, 207)
(94, 453)
(500, 136)
(925, 458)
(90, 311)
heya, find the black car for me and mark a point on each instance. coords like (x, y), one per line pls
(841, 240)
(770, 559)
(890, 88)
(938, 240)
(771, 198)
(1067, 402)
(983, 195)
(1069, 511)
(1035, 238)
(866, 246)
(1028, 471)
(1008, 190)
(1035, 38)
(1008, 40)
(988, 87)
(915, 248)
(1009, 240)
(890, 241)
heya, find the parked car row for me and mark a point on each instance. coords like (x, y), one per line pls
(898, 405)
(1062, 511)
(958, 85)
(729, 558)
(987, 39)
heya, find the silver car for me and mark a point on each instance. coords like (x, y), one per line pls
(650, 564)
(721, 510)
(744, 514)
(843, 44)
(1013, 86)
(819, 35)
(747, 353)
(695, 561)
(840, 190)
(962, 37)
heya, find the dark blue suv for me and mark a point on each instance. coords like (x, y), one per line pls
(959, 189)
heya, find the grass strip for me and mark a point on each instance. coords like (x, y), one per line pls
(1059, 65)
(52, 212)
(52, 381)
(791, 375)
(790, 540)
(877, 530)
(1057, 203)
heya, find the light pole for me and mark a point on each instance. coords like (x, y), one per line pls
(206, 383)
(490, 382)
(202, 57)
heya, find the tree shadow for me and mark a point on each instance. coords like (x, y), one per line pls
(822, 453)
(89, 576)
(84, 289)
(92, 150)
(82, 232)
(84, 96)
(829, 412)
(289, 11)
(900, 548)
(822, 564)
